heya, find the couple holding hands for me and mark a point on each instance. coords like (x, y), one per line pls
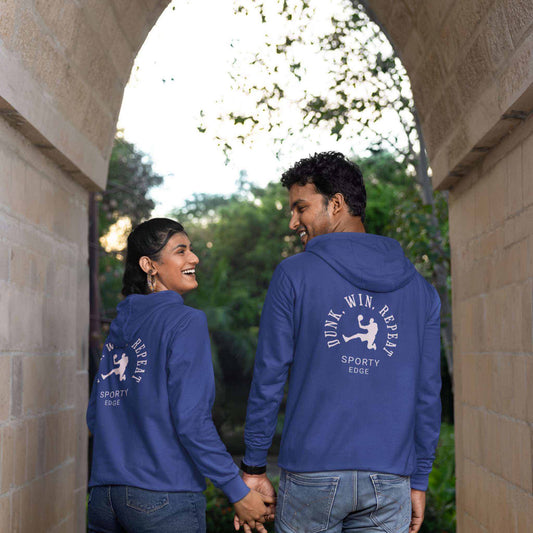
(362, 419)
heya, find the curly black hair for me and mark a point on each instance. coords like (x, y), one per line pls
(330, 173)
(148, 238)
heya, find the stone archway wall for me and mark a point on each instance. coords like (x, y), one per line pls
(471, 69)
(63, 68)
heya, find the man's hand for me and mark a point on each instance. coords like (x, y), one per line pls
(252, 510)
(418, 504)
(263, 485)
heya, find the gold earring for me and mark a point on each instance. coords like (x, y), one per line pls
(150, 279)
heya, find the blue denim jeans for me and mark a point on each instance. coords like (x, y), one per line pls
(121, 509)
(343, 501)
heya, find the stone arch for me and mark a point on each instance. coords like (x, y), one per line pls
(471, 70)
(64, 67)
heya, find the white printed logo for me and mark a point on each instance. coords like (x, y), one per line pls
(361, 329)
(369, 337)
(121, 370)
(129, 365)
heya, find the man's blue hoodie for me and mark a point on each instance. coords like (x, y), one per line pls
(150, 406)
(358, 329)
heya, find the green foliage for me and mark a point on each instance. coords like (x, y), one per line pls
(440, 507)
(395, 209)
(129, 181)
(239, 240)
(219, 512)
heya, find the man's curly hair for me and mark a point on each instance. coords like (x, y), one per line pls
(330, 173)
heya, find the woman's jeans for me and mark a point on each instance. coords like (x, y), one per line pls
(117, 508)
(343, 501)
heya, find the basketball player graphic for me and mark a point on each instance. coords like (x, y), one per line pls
(121, 369)
(369, 337)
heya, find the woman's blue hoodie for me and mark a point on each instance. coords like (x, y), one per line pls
(150, 406)
(358, 329)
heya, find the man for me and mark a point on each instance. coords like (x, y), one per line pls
(357, 329)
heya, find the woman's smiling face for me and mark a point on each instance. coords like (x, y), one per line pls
(176, 267)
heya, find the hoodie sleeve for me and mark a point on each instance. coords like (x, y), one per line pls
(428, 406)
(191, 390)
(273, 358)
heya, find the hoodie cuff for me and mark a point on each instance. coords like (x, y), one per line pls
(419, 481)
(255, 457)
(235, 489)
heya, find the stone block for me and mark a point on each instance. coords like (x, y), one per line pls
(469, 524)
(5, 502)
(99, 125)
(527, 315)
(508, 387)
(36, 506)
(4, 311)
(29, 39)
(7, 471)
(35, 452)
(133, 19)
(474, 433)
(527, 171)
(515, 84)
(439, 123)
(478, 483)
(519, 15)
(39, 373)
(482, 208)
(509, 451)
(122, 56)
(500, 506)
(25, 320)
(499, 42)
(427, 83)
(473, 70)
(59, 436)
(524, 224)
(5, 178)
(16, 386)
(8, 9)
(18, 186)
(437, 9)
(514, 181)
(5, 387)
(523, 509)
(476, 379)
(496, 182)
(19, 467)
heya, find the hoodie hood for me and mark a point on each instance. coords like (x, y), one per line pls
(367, 261)
(134, 310)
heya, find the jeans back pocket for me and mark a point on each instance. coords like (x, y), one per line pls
(307, 500)
(146, 501)
(393, 496)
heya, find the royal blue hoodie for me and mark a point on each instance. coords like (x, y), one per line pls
(358, 330)
(150, 406)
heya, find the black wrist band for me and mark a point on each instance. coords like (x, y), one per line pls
(253, 470)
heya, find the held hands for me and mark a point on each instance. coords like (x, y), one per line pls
(252, 511)
(262, 485)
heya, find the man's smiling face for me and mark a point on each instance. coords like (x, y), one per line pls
(309, 212)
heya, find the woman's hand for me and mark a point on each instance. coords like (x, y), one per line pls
(252, 511)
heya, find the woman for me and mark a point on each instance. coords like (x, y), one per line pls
(150, 406)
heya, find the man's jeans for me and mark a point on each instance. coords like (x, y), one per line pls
(343, 501)
(119, 509)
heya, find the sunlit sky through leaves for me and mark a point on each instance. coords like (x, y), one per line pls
(181, 81)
